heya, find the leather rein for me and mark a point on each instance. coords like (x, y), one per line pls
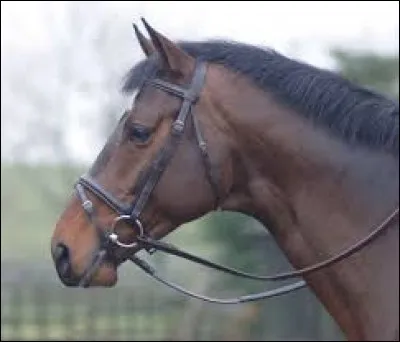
(108, 238)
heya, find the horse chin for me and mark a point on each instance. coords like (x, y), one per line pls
(105, 276)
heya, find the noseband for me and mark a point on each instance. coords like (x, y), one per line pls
(130, 214)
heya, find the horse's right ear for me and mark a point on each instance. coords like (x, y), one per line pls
(145, 43)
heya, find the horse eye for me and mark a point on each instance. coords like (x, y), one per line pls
(139, 133)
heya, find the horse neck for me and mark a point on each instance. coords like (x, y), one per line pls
(316, 196)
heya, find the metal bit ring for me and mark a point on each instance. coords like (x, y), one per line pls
(114, 236)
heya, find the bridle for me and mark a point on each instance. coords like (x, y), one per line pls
(108, 238)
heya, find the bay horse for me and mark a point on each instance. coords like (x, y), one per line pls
(221, 125)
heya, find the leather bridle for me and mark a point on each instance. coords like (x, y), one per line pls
(108, 238)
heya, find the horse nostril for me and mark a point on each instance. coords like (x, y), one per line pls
(62, 259)
(61, 256)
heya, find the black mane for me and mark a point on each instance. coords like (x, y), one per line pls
(355, 114)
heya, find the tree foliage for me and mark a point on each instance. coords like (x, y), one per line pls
(379, 72)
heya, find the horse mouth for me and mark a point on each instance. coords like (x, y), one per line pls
(106, 275)
(106, 272)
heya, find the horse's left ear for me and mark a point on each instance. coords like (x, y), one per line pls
(172, 57)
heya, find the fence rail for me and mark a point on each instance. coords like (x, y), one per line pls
(35, 308)
(49, 313)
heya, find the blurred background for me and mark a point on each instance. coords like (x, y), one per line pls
(61, 69)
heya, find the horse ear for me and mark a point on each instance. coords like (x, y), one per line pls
(145, 44)
(172, 57)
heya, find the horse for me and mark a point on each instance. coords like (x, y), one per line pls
(223, 125)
